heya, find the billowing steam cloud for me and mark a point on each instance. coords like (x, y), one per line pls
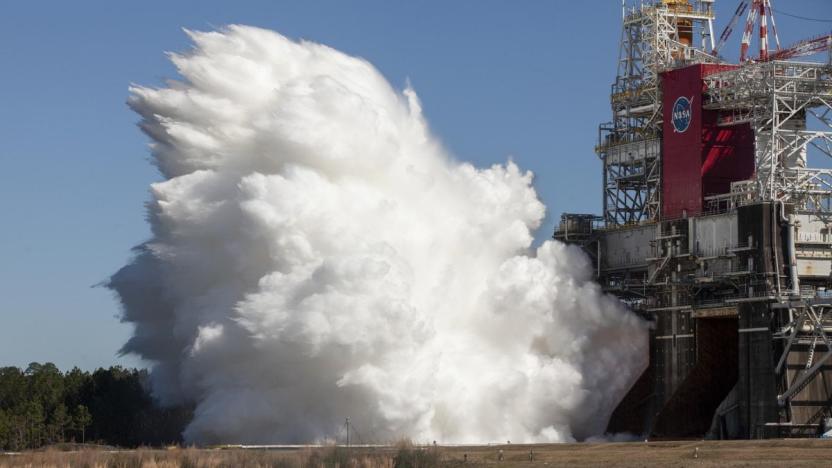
(317, 255)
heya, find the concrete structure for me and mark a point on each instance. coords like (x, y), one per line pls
(715, 228)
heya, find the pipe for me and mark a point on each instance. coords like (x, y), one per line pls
(782, 211)
(638, 109)
(790, 232)
(775, 248)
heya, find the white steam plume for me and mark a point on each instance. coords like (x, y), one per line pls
(317, 255)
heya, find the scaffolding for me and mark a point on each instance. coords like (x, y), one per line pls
(655, 37)
(776, 99)
(807, 349)
(738, 291)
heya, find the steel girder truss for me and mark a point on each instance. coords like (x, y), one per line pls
(807, 329)
(632, 176)
(776, 98)
(650, 44)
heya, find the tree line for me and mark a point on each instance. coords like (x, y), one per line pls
(40, 406)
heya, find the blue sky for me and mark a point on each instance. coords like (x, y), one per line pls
(498, 79)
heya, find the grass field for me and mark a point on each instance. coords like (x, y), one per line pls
(653, 454)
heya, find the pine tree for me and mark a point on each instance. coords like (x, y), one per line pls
(81, 420)
(59, 421)
(5, 428)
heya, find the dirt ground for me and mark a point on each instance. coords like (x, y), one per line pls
(793, 452)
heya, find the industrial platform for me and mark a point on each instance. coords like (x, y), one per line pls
(714, 228)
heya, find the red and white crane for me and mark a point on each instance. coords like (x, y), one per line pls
(761, 10)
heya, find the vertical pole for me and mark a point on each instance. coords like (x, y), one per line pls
(774, 222)
(711, 26)
(749, 29)
(763, 31)
(348, 431)
(711, 34)
(603, 154)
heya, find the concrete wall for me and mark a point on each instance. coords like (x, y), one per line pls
(627, 247)
(713, 235)
(813, 245)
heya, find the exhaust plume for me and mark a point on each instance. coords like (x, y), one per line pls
(316, 254)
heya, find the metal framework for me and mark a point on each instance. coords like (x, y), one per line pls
(655, 37)
(776, 99)
(807, 331)
(758, 258)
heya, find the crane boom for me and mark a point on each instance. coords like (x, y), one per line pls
(803, 48)
(726, 33)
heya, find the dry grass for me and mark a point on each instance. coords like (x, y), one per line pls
(654, 454)
(773, 453)
(192, 457)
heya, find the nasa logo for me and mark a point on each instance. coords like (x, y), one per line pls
(681, 114)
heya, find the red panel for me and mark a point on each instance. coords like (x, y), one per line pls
(727, 152)
(704, 159)
(728, 155)
(682, 151)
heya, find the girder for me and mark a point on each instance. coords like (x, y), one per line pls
(776, 98)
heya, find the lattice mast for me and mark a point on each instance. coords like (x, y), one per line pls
(760, 9)
(655, 37)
